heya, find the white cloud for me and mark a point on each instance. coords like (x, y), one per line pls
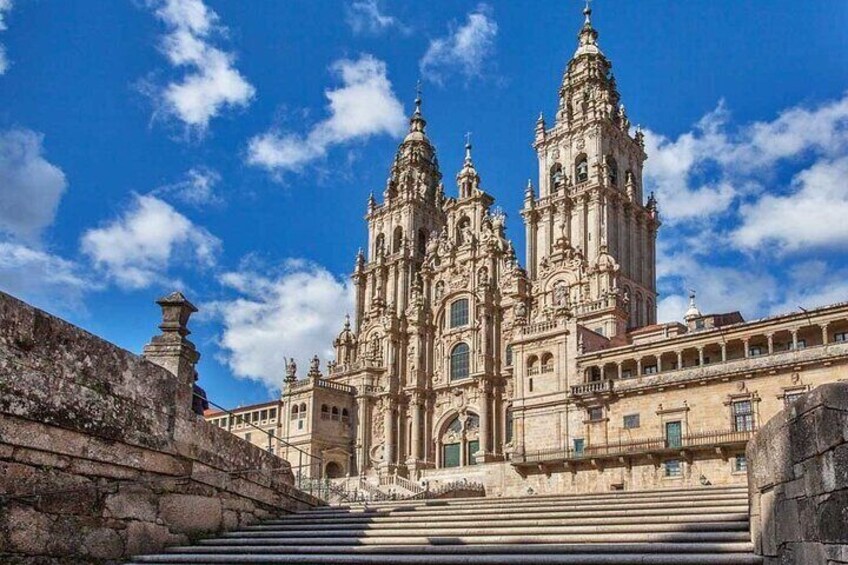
(364, 16)
(464, 50)
(41, 278)
(30, 186)
(197, 188)
(706, 171)
(5, 7)
(813, 215)
(295, 312)
(212, 81)
(365, 105)
(137, 249)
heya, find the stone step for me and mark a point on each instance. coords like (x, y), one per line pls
(487, 530)
(706, 505)
(487, 549)
(524, 520)
(740, 492)
(526, 537)
(547, 559)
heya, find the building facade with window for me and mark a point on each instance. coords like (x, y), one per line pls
(556, 376)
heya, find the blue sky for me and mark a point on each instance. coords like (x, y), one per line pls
(228, 149)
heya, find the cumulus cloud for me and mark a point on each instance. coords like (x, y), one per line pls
(137, 249)
(211, 82)
(706, 170)
(464, 50)
(363, 106)
(197, 188)
(364, 16)
(30, 186)
(812, 215)
(5, 7)
(42, 278)
(742, 202)
(293, 312)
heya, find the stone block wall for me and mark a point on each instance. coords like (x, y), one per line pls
(101, 457)
(798, 478)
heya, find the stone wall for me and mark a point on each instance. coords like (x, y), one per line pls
(798, 478)
(101, 457)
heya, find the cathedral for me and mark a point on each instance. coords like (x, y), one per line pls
(548, 377)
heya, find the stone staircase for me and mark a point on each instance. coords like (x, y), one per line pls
(704, 526)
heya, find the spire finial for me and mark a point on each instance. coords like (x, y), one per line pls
(587, 11)
(468, 148)
(418, 97)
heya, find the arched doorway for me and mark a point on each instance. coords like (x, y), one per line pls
(460, 440)
(333, 470)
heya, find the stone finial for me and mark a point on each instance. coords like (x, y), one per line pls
(171, 349)
(291, 371)
(693, 312)
(176, 310)
(314, 368)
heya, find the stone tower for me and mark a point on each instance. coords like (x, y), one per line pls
(589, 229)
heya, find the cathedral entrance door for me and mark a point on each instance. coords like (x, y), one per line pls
(451, 455)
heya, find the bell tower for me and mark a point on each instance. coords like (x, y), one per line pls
(590, 207)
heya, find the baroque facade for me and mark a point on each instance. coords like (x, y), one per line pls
(551, 377)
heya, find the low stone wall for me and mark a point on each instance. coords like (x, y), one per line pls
(798, 478)
(101, 457)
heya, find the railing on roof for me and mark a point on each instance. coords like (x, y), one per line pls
(594, 387)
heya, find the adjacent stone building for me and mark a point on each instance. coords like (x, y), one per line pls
(554, 377)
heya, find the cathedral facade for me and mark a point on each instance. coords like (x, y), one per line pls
(556, 375)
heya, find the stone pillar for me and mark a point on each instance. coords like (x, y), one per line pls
(770, 338)
(745, 343)
(416, 426)
(679, 359)
(723, 352)
(700, 356)
(638, 367)
(484, 420)
(620, 369)
(172, 350)
(389, 430)
(362, 434)
(824, 333)
(794, 340)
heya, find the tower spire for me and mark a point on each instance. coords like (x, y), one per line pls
(588, 36)
(468, 162)
(417, 123)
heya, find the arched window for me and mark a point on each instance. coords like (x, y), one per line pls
(422, 241)
(581, 169)
(459, 362)
(294, 411)
(532, 365)
(463, 226)
(459, 313)
(302, 410)
(336, 413)
(557, 179)
(333, 470)
(325, 412)
(380, 245)
(547, 363)
(612, 171)
(345, 416)
(397, 240)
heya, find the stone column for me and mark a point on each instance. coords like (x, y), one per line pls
(172, 350)
(679, 359)
(416, 426)
(794, 340)
(362, 434)
(824, 333)
(620, 370)
(389, 430)
(723, 352)
(745, 343)
(700, 356)
(638, 367)
(770, 338)
(484, 419)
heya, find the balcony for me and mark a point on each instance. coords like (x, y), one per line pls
(594, 387)
(652, 448)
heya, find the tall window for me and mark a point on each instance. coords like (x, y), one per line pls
(581, 169)
(459, 362)
(743, 416)
(509, 356)
(422, 242)
(459, 313)
(673, 434)
(397, 240)
(556, 177)
(509, 425)
(579, 446)
(612, 171)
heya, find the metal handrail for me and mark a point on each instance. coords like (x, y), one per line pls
(701, 439)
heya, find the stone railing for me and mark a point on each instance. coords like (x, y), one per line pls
(594, 387)
(540, 327)
(741, 366)
(798, 480)
(649, 446)
(357, 365)
(402, 482)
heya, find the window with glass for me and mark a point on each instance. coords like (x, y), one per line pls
(650, 370)
(509, 356)
(801, 344)
(509, 424)
(740, 464)
(459, 313)
(743, 416)
(790, 397)
(673, 468)
(595, 413)
(673, 434)
(459, 360)
(579, 446)
(755, 350)
(840, 337)
(335, 413)
(272, 414)
(631, 421)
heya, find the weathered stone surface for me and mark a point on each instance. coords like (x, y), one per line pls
(191, 514)
(798, 469)
(121, 466)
